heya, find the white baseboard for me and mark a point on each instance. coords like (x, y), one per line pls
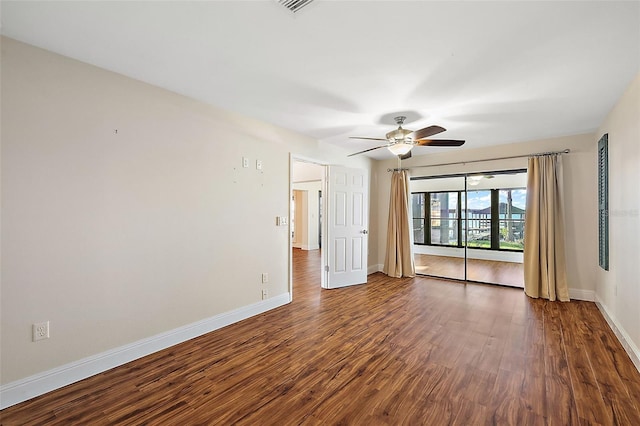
(624, 338)
(308, 247)
(41, 383)
(580, 294)
(372, 269)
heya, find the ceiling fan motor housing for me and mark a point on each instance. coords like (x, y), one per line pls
(399, 136)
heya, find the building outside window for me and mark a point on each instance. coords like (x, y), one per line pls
(494, 219)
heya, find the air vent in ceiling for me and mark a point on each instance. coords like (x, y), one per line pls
(294, 5)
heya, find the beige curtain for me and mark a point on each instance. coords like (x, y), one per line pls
(544, 257)
(399, 259)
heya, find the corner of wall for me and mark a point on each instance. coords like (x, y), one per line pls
(624, 338)
(374, 268)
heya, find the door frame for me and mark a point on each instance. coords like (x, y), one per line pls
(324, 220)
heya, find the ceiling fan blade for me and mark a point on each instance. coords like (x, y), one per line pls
(439, 142)
(405, 156)
(426, 132)
(369, 139)
(367, 150)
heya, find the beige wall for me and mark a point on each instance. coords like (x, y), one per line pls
(618, 289)
(306, 172)
(116, 237)
(579, 191)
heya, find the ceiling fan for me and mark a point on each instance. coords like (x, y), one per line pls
(400, 141)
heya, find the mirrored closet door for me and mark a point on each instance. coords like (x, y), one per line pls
(470, 227)
(438, 206)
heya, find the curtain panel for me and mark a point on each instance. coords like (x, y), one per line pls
(399, 260)
(544, 248)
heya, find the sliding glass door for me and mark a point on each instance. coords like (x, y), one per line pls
(470, 227)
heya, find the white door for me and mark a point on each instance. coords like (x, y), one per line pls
(347, 231)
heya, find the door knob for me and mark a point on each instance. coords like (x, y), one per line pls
(364, 231)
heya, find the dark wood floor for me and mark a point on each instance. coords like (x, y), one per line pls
(394, 351)
(484, 271)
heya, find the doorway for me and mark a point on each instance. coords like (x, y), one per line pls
(344, 193)
(471, 226)
(307, 221)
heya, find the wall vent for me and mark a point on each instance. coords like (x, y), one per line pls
(294, 5)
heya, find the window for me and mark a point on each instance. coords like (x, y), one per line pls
(512, 204)
(444, 218)
(417, 207)
(479, 219)
(494, 218)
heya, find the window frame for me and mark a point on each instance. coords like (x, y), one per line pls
(448, 219)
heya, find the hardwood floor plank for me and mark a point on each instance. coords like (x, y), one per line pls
(471, 413)
(561, 403)
(394, 351)
(595, 342)
(594, 366)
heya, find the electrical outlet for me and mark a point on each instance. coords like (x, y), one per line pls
(245, 162)
(265, 293)
(258, 164)
(265, 277)
(40, 331)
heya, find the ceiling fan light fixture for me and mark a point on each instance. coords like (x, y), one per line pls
(400, 148)
(474, 180)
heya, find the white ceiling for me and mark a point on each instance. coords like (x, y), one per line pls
(489, 72)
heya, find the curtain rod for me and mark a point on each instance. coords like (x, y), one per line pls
(564, 151)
